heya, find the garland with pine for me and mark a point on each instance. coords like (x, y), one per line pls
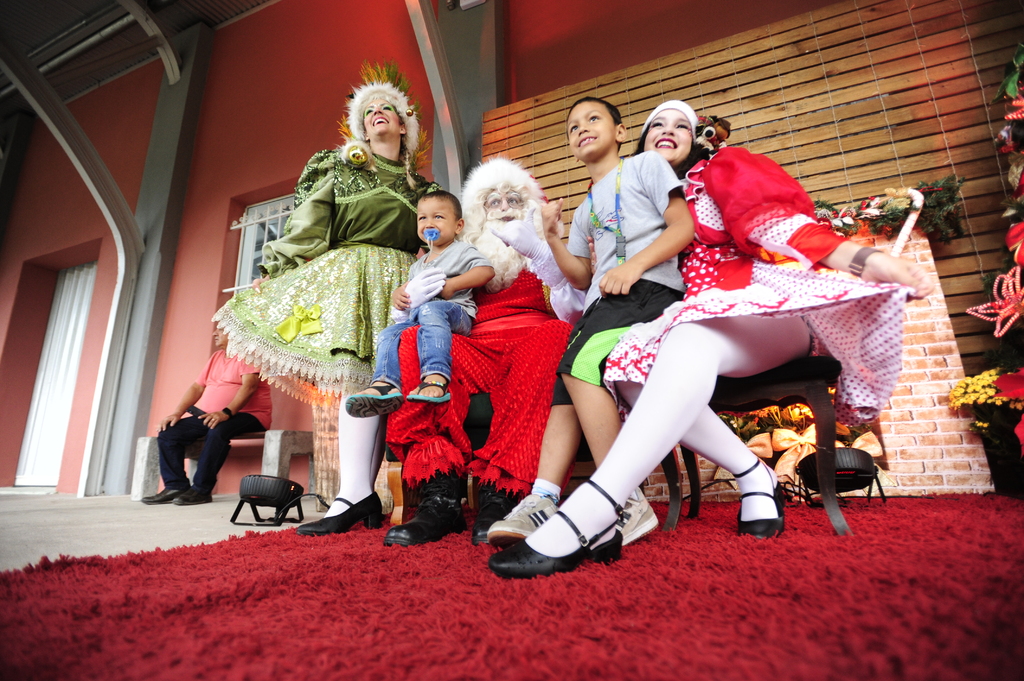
(885, 215)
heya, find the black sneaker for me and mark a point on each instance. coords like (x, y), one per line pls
(191, 497)
(164, 497)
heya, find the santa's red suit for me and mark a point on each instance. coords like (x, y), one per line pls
(511, 355)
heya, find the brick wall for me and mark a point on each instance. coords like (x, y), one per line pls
(928, 448)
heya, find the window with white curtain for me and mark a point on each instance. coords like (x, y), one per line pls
(42, 447)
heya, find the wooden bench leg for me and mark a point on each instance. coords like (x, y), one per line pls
(398, 513)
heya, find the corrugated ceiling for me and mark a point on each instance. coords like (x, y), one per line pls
(79, 44)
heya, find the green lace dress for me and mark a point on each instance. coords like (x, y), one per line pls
(347, 246)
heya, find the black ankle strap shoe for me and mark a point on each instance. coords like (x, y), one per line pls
(520, 561)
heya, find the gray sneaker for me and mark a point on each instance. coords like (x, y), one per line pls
(637, 519)
(521, 522)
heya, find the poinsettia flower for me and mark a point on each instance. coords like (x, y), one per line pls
(1010, 385)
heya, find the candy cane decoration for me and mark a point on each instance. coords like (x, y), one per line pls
(917, 203)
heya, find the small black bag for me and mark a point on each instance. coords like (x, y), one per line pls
(266, 490)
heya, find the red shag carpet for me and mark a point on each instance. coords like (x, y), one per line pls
(927, 589)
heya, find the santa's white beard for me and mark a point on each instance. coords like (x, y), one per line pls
(507, 263)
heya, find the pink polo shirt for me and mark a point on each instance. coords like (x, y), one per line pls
(222, 378)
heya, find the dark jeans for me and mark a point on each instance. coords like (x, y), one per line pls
(173, 441)
(438, 320)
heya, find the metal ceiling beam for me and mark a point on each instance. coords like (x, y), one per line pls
(161, 203)
(442, 89)
(92, 66)
(90, 166)
(104, 34)
(148, 22)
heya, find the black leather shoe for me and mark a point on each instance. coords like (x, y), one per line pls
(439, 514)
(763, 528)
(519, 561)
(190, 497)
(164, 497)
(367, 510)
(494, 506)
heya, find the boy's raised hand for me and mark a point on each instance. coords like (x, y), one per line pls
(551, 214)
(618, 280)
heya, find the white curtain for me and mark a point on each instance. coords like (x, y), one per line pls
(46, 429)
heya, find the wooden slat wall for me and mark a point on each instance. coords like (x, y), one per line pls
(850, 99)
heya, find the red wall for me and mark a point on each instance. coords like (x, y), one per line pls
(552, 44)
(275, 92)
(54, 224)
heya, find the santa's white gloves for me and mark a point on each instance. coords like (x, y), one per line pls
(422, 288)
(521, 236)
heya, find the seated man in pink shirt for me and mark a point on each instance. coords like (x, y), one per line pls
(227, 399)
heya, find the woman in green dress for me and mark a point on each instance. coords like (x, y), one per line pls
(310, 323)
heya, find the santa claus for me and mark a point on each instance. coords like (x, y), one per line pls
(510, 356)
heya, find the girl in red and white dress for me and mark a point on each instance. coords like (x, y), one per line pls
(761, 291)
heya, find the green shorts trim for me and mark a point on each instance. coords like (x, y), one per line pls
(589, 362)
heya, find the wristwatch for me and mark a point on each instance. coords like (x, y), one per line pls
(857, 263)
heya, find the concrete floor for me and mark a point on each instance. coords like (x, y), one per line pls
(34, 522)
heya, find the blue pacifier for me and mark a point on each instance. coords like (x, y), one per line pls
(431, 234)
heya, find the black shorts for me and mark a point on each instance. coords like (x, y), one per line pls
(598, 331)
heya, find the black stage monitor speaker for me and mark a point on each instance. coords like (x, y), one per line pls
(266, 490)
(855, 469)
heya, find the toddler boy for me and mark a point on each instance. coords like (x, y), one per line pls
(439, 298)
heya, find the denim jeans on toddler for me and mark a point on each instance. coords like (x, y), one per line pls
(438, 320)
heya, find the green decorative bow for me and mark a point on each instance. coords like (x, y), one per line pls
(302, 322)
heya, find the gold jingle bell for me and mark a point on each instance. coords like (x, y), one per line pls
(408, 113)
(357, 156)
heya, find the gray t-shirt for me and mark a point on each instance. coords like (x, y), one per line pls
(457, 259)
(647, 180)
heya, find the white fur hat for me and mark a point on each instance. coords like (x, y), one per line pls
(365, 94)
(675, 105)
(497, 171)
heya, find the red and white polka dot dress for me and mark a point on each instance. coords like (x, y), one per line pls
(750, 260)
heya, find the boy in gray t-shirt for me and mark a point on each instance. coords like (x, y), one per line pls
(636, 214)
(644, 186)
(439, 298)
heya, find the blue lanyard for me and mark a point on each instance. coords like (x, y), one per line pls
(620, 240)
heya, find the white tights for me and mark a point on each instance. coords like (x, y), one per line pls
(672, 407)
(360, 451)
